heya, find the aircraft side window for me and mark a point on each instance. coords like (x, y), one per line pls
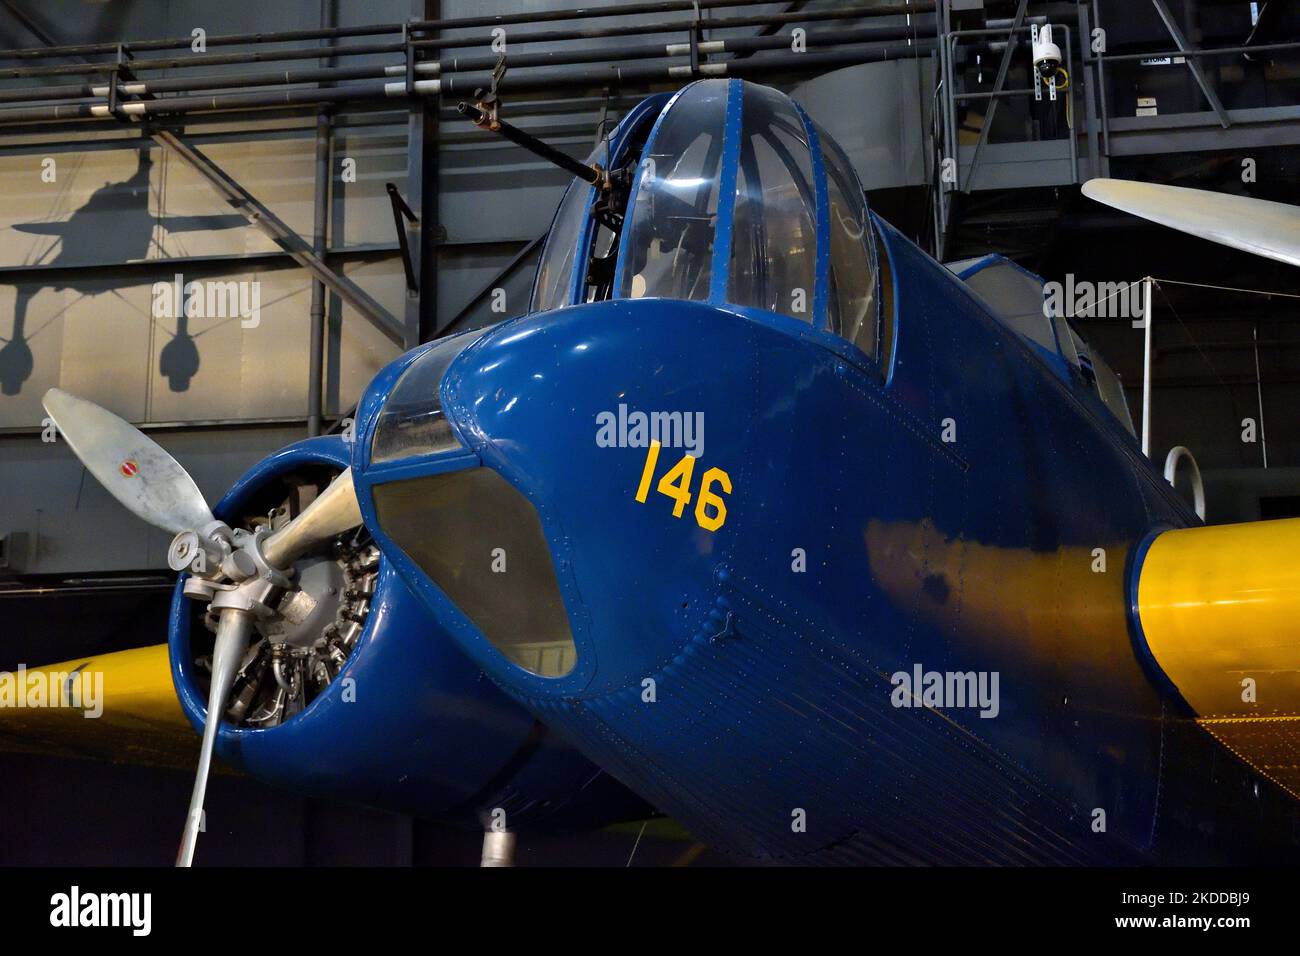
(1076, 349)
(774, 239)
(555, 271)
(1016, 299)
(853, 307)
(668, 242)
(604, 247)
(1111, 390)
(608, 212)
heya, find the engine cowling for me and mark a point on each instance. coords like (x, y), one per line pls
(352, 691)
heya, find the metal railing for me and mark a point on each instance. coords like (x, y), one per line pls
(1087, 93)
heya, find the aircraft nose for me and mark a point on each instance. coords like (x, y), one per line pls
(570, 523)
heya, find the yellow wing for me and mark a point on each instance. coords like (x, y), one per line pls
(120, 707)
(1217, 606)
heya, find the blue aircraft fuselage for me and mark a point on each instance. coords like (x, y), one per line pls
(772, 689)
(876, 609)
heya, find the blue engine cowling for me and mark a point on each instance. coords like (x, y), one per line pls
(418, 728)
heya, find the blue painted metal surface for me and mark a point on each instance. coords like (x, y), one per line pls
(950, 503)
(721, 271)
(410, 724)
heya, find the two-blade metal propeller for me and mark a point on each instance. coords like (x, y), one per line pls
(152, 485)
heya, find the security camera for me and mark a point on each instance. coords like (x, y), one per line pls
(1047, 55)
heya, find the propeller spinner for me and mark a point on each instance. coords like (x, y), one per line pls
(235, 570)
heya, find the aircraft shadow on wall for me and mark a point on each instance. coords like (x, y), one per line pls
(81, 240)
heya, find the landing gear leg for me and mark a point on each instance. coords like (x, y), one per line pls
(498, 848)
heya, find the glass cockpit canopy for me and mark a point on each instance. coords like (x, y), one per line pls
(739, 199)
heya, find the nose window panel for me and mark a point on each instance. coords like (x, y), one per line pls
(412, 421)
(481, 542)
(669, 240)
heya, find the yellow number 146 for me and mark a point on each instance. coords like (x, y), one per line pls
(710, 509)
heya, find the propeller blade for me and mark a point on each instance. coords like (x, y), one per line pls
(134, 469)
(335, 511)
(233, 631)
(1270, 229)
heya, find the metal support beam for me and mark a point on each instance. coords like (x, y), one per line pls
(1102, 91)
(1257, 128)
(277, 231)
(948, 122)
(52, 50)
(259, 216)
(1146, 366)
(1091, 86)
(320, 234)
(772, 29)
(422, 194)
(495, 282)
(404, 219)
(1198, 74)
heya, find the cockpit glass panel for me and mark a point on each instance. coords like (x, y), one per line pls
(1111, 390)
(555, 270)
(412, 421)
(1016, 298)
(854, 310)
(774, 238)
(1077, 353)
(668, 241)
